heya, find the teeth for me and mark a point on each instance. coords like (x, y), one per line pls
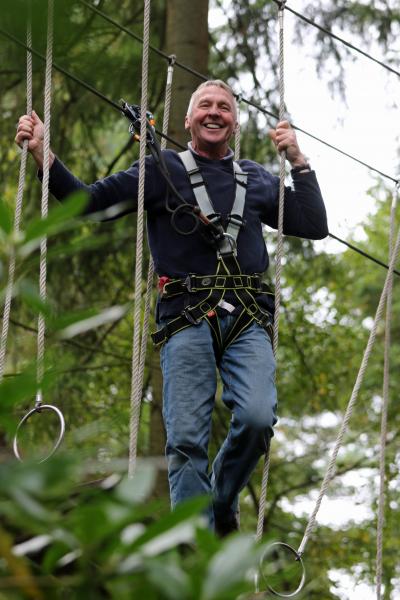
(212, 126)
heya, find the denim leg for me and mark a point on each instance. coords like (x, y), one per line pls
(248, 373)
(189, 375)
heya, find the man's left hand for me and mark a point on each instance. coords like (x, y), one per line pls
(285, 140)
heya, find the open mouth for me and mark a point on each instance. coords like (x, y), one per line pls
(212, 126)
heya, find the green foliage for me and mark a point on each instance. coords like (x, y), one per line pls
(63, 536)
(324, 327)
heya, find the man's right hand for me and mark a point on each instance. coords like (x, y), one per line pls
(31, 128)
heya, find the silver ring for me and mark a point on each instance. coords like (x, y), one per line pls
(28, 415)
(297, 557)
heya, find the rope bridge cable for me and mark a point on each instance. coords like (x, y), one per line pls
(18, 209)
(139, 39)
(350, 407)
(248, 102)
(150, 273)
(385, 405)
(278, 258)
(117, 107)
(45, 199)
(136, 391)
(340, 39)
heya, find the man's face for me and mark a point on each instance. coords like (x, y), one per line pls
(212, 121)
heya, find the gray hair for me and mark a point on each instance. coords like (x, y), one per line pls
(208, 83)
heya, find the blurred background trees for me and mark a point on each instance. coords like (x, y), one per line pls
(329, 299)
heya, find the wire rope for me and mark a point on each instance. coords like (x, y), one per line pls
(45, 201)
(18, 207)
(278, 255)
(249, 102)
(136, 391)
(150, 274)
(237, 129)
(340, 39)
(385, 405)
(349, 410)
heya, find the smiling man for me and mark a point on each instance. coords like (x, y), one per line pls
(214, 312)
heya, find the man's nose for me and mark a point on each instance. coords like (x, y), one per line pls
(214, 110)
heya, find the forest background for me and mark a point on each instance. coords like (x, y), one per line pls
(328, 302)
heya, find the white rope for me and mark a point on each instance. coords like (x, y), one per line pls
(45, 200)
(278, 260)
(150, 273)
(384, 416)
(18, 209)
(237, 130)
(331, 467)
(136, 390)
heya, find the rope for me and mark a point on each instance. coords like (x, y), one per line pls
(237, 130)
(248, 102)
(45, 200)
(339, 39)
(136, 392)
(279, 252)
(150, 274)
(331, 467)
(18, 209)
(384, 416)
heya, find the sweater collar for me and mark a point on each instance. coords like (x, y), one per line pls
(228, 156)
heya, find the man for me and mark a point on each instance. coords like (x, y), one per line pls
(196, 342)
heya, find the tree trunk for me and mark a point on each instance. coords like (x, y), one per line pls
(187, 38)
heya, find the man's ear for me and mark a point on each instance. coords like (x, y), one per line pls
(187, 122)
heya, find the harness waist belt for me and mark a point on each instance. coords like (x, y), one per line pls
(197, 283)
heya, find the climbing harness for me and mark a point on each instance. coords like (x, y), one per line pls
(228, 274)
(39, 407)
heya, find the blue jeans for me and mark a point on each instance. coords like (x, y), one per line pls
(247, 370)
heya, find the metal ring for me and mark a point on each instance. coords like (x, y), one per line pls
(28, 415)
(298, 558)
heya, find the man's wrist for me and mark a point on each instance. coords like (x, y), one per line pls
(303, 168)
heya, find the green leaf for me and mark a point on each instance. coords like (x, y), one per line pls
(87, 320)
(168, 577)
(6, 223)
(59, 218)
(136, 489)
(184, 512)
(21, 387)
(230, 566)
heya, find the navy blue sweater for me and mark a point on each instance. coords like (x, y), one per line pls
(176, 255)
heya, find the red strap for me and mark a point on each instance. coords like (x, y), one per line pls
(162, 281)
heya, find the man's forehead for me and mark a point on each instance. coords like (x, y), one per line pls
(213, 91)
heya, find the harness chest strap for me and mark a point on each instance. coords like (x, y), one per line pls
(228, 275)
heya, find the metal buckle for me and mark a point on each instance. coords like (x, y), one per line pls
(189, 283)
(190, 317)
